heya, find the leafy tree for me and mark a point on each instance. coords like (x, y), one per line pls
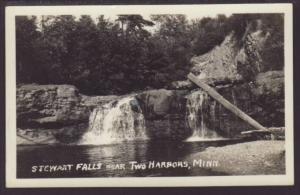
(26, 38)
(273, 53)
(172, 37)
(121, 56)
(208, 33)
(82, 52)
(57, 43)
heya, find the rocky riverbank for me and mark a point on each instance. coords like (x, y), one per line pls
(250, 158)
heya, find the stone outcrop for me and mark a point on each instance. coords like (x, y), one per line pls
(50, 105)
(229, 62)
(219, 63)
(54, 112)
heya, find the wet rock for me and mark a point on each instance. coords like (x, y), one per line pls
(164, 111)
(70, 134)
(41, 135)
(35, 136)
(156, 103)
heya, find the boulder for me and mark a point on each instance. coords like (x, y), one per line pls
(268, 93)
(249, 158)
(156, 103)
(269, 83)
(164, 111)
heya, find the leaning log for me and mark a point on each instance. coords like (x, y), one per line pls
(214, 94)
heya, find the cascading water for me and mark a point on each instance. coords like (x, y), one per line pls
(196, 110)
(115, 122)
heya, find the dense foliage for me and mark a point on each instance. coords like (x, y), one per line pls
(130, 53)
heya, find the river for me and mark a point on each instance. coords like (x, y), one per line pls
(111, 155)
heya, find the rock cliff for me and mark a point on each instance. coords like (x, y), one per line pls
(233, 61)
(54, 113)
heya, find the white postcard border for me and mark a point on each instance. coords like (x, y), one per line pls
(257, 180)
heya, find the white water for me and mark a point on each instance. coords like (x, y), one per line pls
(196, 111)
(115, 122)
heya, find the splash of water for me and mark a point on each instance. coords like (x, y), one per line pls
(115, 122)
(196, 111)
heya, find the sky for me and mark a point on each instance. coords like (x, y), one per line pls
(189, 16)
(191, 11)
(112, 11)
(112, 17)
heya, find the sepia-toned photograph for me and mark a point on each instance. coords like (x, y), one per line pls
(181, 95)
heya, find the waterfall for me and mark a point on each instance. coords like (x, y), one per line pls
(115, 122)
(198, 108)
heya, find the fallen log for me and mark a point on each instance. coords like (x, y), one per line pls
(255, 131)
(214, 94)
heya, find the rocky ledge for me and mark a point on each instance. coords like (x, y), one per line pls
(60, 114)
(53, 113)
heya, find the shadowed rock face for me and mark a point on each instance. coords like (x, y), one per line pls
(262, 99)
(164, 111)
